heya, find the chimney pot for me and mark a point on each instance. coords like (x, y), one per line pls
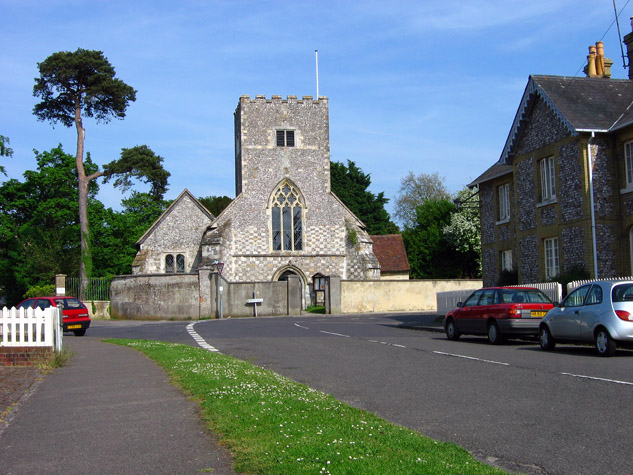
(590, 71)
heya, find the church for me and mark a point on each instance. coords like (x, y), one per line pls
(284, 223)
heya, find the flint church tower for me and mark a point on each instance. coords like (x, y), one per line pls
(285, 219)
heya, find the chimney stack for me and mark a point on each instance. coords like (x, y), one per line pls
(597, 65)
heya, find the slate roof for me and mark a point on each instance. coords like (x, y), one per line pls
(391, 254)
(583, 104)
(495, 171)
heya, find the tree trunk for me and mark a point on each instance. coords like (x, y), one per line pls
(85, 264)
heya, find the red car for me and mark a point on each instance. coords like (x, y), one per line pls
(498, 312)
(75, 314)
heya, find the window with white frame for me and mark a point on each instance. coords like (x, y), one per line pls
(503, 192)
(552, 262)
(628, 163)
(548, 179)
(506, 260)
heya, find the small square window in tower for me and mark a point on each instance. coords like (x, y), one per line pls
(285, 138)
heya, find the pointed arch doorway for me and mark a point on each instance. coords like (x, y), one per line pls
(296, 283)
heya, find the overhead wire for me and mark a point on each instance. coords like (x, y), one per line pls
(615, 21)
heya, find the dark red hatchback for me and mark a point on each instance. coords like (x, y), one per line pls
(498, 312)
(75, 314)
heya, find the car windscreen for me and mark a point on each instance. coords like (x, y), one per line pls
(622, 293)
(69, 303)
(524, 296)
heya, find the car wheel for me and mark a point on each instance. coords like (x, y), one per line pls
(545, 339)
(494, 335)
(604, 343)
(81, 332)
(451, 331)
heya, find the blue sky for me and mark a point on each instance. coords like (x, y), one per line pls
(421, 86)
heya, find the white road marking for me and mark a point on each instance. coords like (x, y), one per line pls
(199, 340)
(335, 334)
(347, 336)
(470, 358)
(598, 379)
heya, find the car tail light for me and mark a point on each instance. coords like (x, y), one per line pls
(624, 315)
(514, 313)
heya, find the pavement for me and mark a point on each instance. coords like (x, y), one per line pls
(420, 321)
(109, 410)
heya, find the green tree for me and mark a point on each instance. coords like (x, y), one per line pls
(414, 191)
(463, 233)
(350, 184)
(116, 234)
(5, 151)
(39, 227)
(440, 244)
(428, 252)
(215, 204)
(73, 85)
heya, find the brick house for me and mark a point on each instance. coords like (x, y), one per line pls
(561, 195)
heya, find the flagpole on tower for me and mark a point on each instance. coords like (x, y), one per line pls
(316, 55)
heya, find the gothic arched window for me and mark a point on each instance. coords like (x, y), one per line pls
(287, 218)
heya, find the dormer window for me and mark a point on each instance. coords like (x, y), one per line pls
(285, 138)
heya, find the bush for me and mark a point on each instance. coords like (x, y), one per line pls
(40, 291)
(575, 272)
(508, 277)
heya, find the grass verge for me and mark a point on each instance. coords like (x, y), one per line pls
(274, 425)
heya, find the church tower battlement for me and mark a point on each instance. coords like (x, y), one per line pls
(277, 139)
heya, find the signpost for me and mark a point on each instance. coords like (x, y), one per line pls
(220, 268)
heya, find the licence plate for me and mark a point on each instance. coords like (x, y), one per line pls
(73, 327)
(538, 314)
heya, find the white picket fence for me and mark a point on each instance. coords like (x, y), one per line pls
(577, 283)
(446, 301)
(31, 327)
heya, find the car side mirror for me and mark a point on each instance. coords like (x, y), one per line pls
(460, 304)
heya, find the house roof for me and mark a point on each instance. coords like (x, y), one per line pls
(168, 211)
(391, 254)
(495, 171)
(583, 104)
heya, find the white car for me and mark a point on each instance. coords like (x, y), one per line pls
(599, 312)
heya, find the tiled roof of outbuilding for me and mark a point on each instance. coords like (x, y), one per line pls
(391, 254)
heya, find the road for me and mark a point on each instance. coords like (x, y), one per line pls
(512, 405)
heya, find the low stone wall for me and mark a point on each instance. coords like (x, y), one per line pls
(397, 295)
(23, 355)
(154, 297)
(195, 296)
(274, 295)
(98, 308)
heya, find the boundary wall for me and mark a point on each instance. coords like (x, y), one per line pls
(206, 295)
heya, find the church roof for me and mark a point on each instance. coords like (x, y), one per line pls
(167, 212)
(391, 254)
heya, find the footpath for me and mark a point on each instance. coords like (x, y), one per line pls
(110, 410)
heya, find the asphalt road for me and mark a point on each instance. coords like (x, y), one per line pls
(512, 405)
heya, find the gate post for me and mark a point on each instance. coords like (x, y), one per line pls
(60, 285)
(295, 291)
(332, 295)
(205, 284)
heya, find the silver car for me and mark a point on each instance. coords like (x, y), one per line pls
(599, 312)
